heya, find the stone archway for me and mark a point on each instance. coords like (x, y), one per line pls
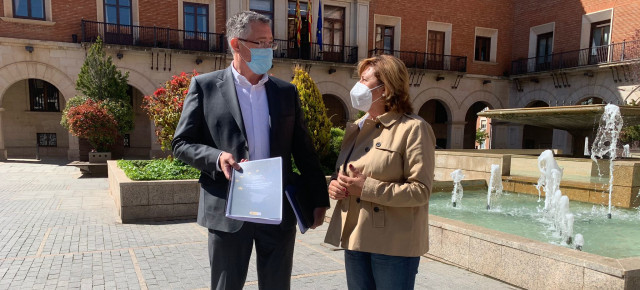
(32, 109)
(438, 115)
(137, 143)
(471, 121)
(14, 73)
(341, 92)
(603, 93)
(590, 101)
(336, 110)
(18, 71)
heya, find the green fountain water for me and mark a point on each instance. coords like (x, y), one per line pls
(523, 215)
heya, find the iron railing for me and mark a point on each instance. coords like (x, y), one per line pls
(316, 51)
(423, 60)
(598, 55)
(152, 36)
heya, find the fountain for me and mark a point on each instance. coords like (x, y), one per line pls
(495, 184)
(456, 194)
(607, 140)
(586, 146)
(519, 232)
(626, 153)
(550, 176)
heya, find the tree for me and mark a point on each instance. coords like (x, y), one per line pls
(629, 134)
(164, 107)
(101, 82)
(315, 112)
(481, 135)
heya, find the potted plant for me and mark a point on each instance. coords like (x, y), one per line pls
(92, 121)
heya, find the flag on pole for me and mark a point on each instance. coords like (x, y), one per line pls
(298, 22)
(319, 25)
(309, 18)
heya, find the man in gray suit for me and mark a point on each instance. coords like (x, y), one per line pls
(241, 113)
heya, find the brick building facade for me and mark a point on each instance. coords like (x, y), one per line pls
(463, 56)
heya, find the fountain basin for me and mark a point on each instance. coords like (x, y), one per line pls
(532, 262)
(525, 262)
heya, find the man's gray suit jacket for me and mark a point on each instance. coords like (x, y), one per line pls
(211, 122)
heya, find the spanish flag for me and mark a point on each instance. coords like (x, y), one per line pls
(309, 16)
(298, 22)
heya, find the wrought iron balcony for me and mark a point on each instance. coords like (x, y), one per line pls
(316, 51)
(598, 55)
(152, 37)
(423, 60)
(212, 42)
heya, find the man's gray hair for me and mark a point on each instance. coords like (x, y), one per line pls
(239, 25)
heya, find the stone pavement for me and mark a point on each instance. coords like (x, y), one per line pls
(58, 229)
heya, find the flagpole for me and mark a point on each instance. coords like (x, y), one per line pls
(319, 26)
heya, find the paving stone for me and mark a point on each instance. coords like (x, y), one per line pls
(60, 230)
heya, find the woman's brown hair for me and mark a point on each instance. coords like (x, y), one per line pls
(393, 74)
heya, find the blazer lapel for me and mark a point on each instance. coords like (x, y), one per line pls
(228, 90)
(274, 113)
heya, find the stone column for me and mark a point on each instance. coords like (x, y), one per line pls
(234, 7)
(563, 140)
(362, 27)
(156, 151)
(74, 148)
(456, 131)
(3, 151)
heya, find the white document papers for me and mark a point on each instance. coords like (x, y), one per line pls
(255, 193)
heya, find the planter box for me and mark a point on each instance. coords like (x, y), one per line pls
(158, 200)
(99, 157)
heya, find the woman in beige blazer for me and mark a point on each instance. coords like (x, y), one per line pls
(383, 181)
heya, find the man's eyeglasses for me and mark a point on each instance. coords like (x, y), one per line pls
(262, 44)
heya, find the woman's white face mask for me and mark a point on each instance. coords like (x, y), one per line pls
(361, 97)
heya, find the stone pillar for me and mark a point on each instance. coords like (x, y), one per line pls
(362, 28)
(156, 151)
(234, 7)
(456, 131)
(280, 19)
(3, 151)
(562, 140)
(74, 148)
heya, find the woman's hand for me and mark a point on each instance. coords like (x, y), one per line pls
(353, 184)
(336, 191)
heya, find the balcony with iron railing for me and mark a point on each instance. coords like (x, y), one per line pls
(593, 56)
(423, 60)
(159, 37)
(153, 36)
(316, 51)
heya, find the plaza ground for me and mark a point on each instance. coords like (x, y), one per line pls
(59, 230)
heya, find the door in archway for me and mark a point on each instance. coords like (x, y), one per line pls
(336, 110)
(137, 142)
(436, 114)
(471, 120)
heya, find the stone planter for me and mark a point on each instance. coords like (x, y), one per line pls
(99, 157)
(157, 200)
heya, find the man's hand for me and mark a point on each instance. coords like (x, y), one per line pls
(318, 216)
(227, 162)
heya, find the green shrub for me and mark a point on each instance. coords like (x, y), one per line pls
(315, 112)
(328, 162)
(158, 169)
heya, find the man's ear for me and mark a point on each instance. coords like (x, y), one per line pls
(235, 44)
